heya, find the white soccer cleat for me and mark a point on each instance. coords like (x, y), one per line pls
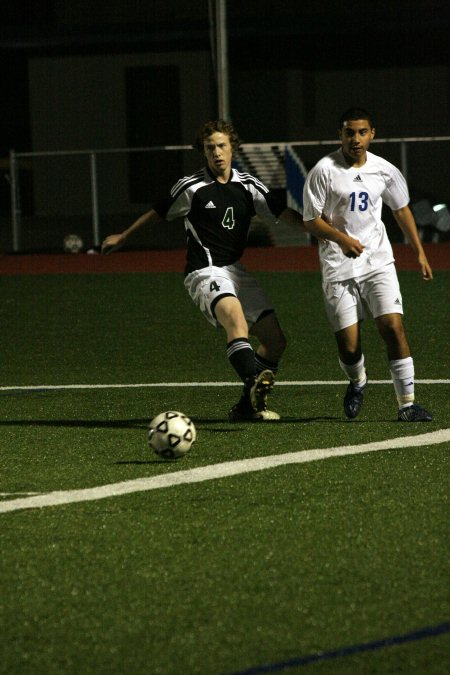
(238, 414)
(268, 415)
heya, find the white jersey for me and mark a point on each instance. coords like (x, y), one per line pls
(351, 199)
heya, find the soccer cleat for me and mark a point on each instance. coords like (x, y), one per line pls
(262, 387)
(353, 400)
(240, 414)
(414, 413)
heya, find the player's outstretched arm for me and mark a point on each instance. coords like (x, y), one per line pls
(114, 241)
(292, 218)
(319, 227)
(407, 224)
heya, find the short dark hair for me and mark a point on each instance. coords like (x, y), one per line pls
(213, 127)
(355, 114)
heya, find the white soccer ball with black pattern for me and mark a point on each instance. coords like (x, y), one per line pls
(171, 434)
(73, 243)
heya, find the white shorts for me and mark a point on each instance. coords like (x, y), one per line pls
(207, 285)
(378, 292)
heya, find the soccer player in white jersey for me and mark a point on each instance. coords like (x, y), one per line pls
(217, 204)
(344, 193)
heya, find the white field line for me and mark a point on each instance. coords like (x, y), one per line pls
(8, 494)
(143, 385)
(214, 471)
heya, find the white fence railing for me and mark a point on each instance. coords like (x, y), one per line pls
(249, 150)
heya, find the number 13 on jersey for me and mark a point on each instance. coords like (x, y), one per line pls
(359, 201)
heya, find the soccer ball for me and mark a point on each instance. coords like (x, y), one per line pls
(73, 243)
(171, 434)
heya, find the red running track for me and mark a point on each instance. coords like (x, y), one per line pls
(272, 259)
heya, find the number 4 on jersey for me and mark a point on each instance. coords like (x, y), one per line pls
(228, 219)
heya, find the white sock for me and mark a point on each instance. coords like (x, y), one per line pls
(402, 373)
(356, 372)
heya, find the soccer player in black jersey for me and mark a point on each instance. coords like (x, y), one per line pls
(217, 204)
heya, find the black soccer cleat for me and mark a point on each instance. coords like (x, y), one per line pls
(353, 400)
(414, 413)
(262, 387)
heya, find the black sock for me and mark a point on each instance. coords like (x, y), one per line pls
(242, 357)
(265, 364)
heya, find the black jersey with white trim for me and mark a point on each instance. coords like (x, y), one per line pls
(217, 215)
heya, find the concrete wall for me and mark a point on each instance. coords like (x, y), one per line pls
(79, 102)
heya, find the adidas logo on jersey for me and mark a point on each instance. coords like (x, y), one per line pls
(397, 302)
(357, 179)
(210, 205)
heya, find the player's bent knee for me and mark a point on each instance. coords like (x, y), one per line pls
(391, 327)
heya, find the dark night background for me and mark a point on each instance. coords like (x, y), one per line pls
(266, 41)
(271, 35)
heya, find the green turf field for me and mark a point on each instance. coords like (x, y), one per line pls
(337, 565)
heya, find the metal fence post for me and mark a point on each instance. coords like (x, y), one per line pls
(404, 165)
(94, 196)
(404, 159)
(16, 214)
